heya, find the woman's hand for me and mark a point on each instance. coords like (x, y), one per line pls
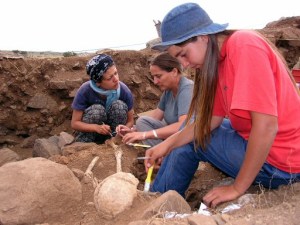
(102, 129)
(132, 137)
(123, 130)
(155, 155)
(221, 194)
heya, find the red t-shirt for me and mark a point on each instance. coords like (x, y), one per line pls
(253, 78)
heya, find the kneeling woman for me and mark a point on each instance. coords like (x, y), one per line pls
(102, 103)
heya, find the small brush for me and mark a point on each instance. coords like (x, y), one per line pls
(148, 179)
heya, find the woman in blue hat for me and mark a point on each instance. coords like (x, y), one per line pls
(102, 103)
(246, 107)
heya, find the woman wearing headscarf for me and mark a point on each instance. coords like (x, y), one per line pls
(102, 103)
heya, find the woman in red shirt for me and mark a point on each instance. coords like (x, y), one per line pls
(246, 107)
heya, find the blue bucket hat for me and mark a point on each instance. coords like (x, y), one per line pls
(98, 65)
(184, 22)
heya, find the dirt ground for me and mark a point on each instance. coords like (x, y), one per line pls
(35, 99)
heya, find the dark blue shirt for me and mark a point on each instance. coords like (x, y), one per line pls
(86, 96)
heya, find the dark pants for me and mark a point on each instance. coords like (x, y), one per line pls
(96, 114)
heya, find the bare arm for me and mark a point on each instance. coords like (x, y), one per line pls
(122, 130)
(168, 130)
(178, 139)
(262, 135)
(162, 133)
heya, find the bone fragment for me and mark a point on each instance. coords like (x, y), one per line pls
(118, 153)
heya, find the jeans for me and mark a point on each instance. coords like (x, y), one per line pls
(226, 151)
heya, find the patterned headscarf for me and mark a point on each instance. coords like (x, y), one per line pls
(98, 65)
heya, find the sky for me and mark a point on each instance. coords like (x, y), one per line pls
(91, 25)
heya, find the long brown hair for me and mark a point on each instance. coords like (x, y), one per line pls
(205, 86)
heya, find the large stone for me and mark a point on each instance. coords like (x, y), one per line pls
(37, 190)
